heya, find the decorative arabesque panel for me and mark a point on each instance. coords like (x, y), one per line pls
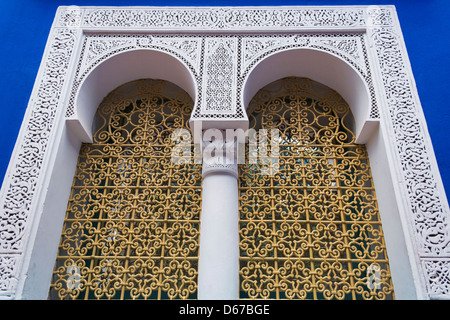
(367, 37)
(311, 228)
(221, 63)
(132, 224)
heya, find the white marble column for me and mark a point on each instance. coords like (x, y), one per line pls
(218, 271)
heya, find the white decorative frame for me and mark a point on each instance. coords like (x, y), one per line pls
(222, 56)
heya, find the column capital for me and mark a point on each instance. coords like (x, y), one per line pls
(219, 167)
(220, 153)
(218, 157)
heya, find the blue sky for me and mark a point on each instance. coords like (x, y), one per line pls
(24, 27)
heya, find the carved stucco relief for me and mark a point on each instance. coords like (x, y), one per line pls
(219, 63)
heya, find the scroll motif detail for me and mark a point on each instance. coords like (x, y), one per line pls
(312, 230)
(132, 223)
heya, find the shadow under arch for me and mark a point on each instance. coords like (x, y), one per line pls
(322, 67)
(125, 181)
(117, 70)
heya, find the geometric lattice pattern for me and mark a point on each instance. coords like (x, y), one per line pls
(310, 226)
(132, 224)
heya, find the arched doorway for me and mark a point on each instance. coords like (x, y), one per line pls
(309, 226)
(132, 222)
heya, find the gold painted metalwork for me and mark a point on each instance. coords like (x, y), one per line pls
(132, 223)
(312, 229)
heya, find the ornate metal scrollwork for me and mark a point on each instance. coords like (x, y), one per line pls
(312, 229)
(132, 224)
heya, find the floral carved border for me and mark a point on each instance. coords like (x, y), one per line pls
(223, 18)
(427, 213)
(24, 173)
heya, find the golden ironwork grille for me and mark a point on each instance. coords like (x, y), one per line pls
(132, 223)
(309, 226)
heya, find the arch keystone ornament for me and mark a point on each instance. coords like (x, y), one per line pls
(222, 56)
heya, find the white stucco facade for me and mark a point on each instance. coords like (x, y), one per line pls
(356, 50)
